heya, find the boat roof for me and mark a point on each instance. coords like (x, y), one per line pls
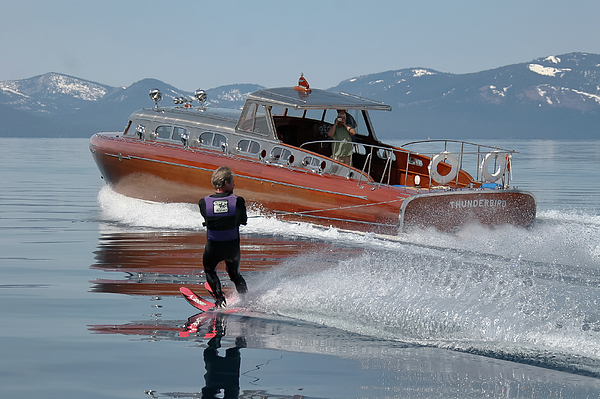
(289, 97)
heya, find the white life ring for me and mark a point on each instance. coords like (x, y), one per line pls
(502, 161)
(443, 156)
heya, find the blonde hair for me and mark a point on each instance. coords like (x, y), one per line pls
(221, 175)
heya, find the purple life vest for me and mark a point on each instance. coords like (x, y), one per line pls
(223, 211)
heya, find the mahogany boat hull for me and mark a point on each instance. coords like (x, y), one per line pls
(167, 173)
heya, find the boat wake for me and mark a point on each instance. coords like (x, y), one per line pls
(529, 296)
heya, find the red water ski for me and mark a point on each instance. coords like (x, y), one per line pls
(210, 291)
(207, 286)
(195, 300)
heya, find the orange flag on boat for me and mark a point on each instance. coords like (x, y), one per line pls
(302, 84)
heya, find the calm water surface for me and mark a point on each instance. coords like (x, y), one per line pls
(90, 308)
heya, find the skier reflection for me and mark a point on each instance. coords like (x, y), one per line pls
(222, 372)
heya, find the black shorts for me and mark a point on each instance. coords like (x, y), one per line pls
(219, 251)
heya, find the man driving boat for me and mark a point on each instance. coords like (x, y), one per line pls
(342, 133)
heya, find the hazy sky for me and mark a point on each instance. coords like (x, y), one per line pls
(203, 44)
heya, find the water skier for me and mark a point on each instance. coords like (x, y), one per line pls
(223, 214)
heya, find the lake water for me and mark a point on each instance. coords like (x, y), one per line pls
(90, 306)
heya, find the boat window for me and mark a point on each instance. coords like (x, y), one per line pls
(352, 118)
(219, 139)
(415, 161)
(297, 113)
(315, 114)
(254, 119)
(385, 154)
(280, 154)
(210, 139)
(249, 146)
(330, 116)
(178, 133)
(361, 124)
(278, 111)
(359, 149)
(164, 132)
(311, 161)
(206, 138)
(246, 120)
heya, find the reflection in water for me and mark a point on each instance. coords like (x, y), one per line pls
(408, 370)
(158, 263)
(222, 372)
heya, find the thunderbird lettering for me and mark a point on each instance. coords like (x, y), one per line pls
(482, 203)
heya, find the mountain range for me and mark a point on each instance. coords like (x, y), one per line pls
(554, 97)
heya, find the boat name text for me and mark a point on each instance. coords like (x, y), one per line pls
(482, 203)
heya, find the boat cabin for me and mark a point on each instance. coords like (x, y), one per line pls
(287, 127)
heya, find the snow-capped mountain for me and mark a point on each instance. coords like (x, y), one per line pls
(554, 96)
(567, 81)
(549, 97)
(50, 93)
(59, 105)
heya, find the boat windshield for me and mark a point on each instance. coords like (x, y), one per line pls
(254, 119)
(354, 117)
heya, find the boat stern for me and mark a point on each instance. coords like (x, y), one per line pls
(449, 211)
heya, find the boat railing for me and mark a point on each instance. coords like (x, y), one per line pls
(448, 143)
(469, 153)
(386, 153)
(465, 153)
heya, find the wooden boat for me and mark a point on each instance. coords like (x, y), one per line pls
(281, 154)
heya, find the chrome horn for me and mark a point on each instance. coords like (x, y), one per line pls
(141, 132)
(201, 97)
(185, 139)
(156, 96)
